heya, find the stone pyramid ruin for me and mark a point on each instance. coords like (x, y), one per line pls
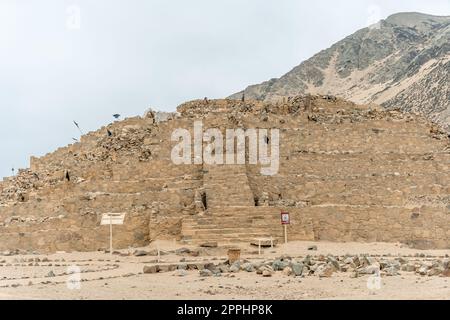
(347, 173)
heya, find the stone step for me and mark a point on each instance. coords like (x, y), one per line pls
(245, 237)
(224, 175)
(236, 216)
(220, 185)
(228, 231)
(223, 242)
(231, 225)
(215, 201)
(232, 217)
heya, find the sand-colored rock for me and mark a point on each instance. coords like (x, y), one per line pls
(347, 173)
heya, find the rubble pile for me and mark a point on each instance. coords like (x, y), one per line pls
(323, 266)
(320, 109)
(326, 266)
(130, 140)
(18, 188)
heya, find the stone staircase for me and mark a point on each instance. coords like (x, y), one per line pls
(225, 185)
(231, 215)
(228, 225)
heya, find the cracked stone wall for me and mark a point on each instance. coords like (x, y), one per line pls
(347, 173)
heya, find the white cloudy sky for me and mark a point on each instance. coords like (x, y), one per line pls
(129, 55)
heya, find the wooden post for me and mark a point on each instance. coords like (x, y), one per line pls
(110, 219)
(285, 233)
(110, 236)
(159, 254)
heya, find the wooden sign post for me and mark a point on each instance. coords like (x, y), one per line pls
(112, 218)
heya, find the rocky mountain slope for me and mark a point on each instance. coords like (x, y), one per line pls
(401, 62)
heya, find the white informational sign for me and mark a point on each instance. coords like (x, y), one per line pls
(285, 220)
(110, 219)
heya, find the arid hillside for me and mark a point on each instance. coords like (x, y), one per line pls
(401, 62)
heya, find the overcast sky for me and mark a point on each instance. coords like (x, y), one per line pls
(85, 60)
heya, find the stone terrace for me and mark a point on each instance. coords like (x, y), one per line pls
(347, 173)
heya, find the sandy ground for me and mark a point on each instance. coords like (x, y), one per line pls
(120, 277)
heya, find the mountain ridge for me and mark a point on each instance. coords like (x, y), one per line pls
(402, 62)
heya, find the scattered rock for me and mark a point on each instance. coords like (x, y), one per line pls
(194, 253)
(279, 265)
(297, 269)
(409, 267)
(390, 271)
(423, 270)
(50, 274)
(209, 245)
(182, 251)
(205, 273)
(308, 261)
(180, 273)
(166, 267)
(325, 271)
(446, 273)
(235, 267)
(267, 273)
(435, 271)
(334, 263)
(151, 269)
(287, 271)
(182, 266)
(371, 269)
(140, 253)
(223, 268)
(248, 267)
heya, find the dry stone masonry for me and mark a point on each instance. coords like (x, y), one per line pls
(347, 173)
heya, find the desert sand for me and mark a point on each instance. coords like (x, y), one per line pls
(120, 276)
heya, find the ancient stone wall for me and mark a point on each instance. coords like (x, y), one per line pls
(347, 173)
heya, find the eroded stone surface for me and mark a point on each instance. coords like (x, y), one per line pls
(347, 173)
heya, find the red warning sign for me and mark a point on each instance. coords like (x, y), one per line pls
(285, 219)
